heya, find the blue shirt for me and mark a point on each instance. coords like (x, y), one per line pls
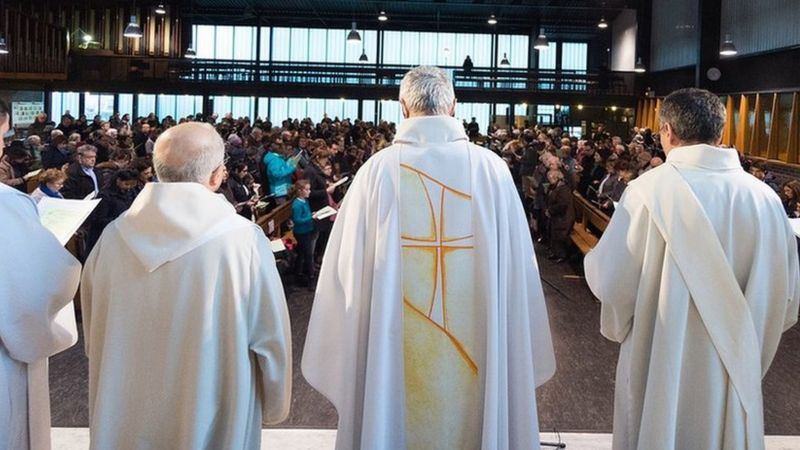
(301, 216)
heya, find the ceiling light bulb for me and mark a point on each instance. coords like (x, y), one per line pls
(383, 17)
(160, 10)
(492, 20)
(602, 24)
(133, 30)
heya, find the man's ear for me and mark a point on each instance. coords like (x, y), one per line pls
(452, 111)
(215, 180)
(404, 109)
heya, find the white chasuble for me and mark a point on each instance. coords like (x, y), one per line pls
(429, 328)
(698, 276)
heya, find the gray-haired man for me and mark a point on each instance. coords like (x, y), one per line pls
(703, 282)
(429, 328)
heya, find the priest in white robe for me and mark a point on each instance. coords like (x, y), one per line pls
(38, 279)
(698, 277)
(429, 328)
(186, 324)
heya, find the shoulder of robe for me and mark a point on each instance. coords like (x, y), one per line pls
(14, 199)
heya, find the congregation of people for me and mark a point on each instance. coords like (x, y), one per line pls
(450, 375)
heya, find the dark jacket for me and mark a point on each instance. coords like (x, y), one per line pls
(318, 198)
(113, 202)
(241, 194)
(562, 212)
(52, 158)
(78, 185)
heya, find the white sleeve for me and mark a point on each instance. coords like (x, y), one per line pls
(38, 279)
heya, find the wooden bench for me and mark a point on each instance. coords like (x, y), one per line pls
(583, 235)
(273, 221)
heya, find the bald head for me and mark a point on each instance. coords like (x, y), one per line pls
(189, 152)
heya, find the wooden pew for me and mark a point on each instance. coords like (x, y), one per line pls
(583, 235)
(272, 222)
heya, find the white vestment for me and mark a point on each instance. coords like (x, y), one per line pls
(429, 328)
(186, 326)
(698, 276)
(38, 279)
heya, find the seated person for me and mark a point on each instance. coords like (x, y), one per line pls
(50, 183)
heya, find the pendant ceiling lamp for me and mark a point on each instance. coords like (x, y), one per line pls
(639, 67)
(541, 41)
(727, 48)
(504, 62)
(353, 37)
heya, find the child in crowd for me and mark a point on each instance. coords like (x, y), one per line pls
(304, 231)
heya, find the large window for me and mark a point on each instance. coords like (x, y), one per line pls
(515, 49)
(390, 111)
(237, 106)
(125, 104)
(480, 111)
(63, 102)
(225, 42)
(574, 58)
(314, 108)
(320, 45)
(102, 104)
(146, 104)
(443, 49)
(179, 106)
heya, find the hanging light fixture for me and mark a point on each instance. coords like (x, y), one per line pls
(727, 48)
(639, 67)
(602, 24)
(133, 30)
(160, 10)
(541, 41)
(492, 20)
(363, 57)
(353, 37)
(190, 53)
(383, 17)
(504, 62)
(87, 38)
(3, 46)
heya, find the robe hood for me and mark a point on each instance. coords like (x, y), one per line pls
(429, 130)
(705, 156)
(168, 220)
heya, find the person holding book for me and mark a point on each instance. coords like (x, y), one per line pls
(304, 231)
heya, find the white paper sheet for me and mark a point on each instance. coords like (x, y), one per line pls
(324, 213)
(64, 217)
(277, 245)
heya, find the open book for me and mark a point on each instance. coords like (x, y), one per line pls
(324, 213)
(64, 217)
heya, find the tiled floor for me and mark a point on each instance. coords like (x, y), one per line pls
(306, 439)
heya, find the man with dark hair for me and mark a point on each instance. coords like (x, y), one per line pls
(704, 282)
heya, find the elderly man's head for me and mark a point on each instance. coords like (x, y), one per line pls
(691, 116)
(87, 155)
(190, 153)
(427, 91)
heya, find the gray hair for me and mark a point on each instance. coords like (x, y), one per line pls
(696, 115)
(427, 90)
(188, 153)
(87, 148)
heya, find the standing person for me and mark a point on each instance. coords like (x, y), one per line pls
(430, 272)
(279, 170)
(304, 231)
(560, 214)
(184, 315)
(698, 305)
(36, 317)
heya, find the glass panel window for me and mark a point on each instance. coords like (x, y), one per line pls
(204, 40)
(242, 107)
(390, 111)
(368, 110)
(224, 43)
(188, 105)
(264, 56)
(146, 104)
(125, 104)
(263, 108)
(278, 110)
(91, 105)
(165, 106)
(280, 44)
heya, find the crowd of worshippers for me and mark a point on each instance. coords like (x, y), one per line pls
(301, 161)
